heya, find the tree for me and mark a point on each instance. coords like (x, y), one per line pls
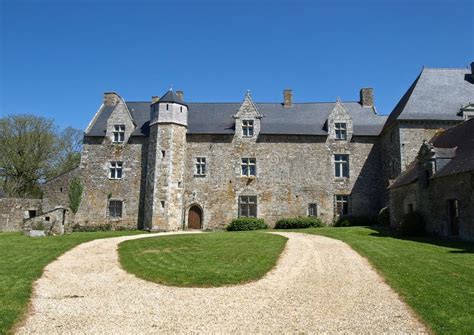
(31, 151)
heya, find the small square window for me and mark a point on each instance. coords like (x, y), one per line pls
(115, 170)
(248, 206)
(119, 133)
(341, 130)
(115, 208)
(341, 165)
(247, 128)
(341, 205)
(249, 167)
(312, 209)
(47, 218)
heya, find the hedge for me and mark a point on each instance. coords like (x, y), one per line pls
(299, 222)
(246, 224)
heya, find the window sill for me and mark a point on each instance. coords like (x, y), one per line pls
(200, 176)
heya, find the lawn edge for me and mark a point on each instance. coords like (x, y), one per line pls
(28, 308)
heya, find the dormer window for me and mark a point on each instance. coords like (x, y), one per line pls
(247, 128)
(341, 130)
(119, 133)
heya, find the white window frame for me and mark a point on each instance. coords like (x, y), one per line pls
(343, 201)
(341, 130)
(248, 128)
(118, 133)
(341, 165)
(246, 167)
(200, 168)
(313, 209)
(115, 170)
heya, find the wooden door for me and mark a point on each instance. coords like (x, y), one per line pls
(195, 218)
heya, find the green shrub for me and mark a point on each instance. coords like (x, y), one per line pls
(383, 218)
(246, 224)
(342, 222)
(299, 222)
(412, 224)
(104, 227)
(75, 194)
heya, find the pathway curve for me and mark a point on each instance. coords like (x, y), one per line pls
(319, 285)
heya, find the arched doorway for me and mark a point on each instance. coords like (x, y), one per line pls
(195, 218)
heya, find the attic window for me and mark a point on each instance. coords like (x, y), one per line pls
(341, 130)
(247, 128)
(119, 133)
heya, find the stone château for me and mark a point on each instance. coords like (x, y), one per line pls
(168, 164)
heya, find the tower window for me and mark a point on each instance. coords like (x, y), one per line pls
(115, 208)
(247, 128)
(341, 165)
(249, 167)
(200, 166)
(115, 170)
(341, 130)
(167, 106)
(248, 206)
(341, 204)
(119, 133)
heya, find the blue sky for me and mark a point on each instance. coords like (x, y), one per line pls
(58, 57)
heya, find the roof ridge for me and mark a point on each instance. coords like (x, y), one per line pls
(445, 68)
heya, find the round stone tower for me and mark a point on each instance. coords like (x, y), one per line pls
(166, 162)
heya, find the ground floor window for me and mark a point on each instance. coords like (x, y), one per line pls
(115, 208)
(341, 204)
(248, 206)
(312, 209)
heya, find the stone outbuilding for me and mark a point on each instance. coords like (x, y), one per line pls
(439, 184)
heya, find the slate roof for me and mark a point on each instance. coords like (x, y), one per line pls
(171, 97)
(436, 94)
(217, 118)
(457, 143)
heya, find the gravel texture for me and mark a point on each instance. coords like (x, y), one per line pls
(320, 285)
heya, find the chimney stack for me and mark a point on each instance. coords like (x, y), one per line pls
(287, 98)
(180, 95)
(472, 68)
(154, 99)
(111, 98)
(367, 97)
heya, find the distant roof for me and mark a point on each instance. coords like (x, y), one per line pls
(436, 94)
(456, 143)
(217, 118)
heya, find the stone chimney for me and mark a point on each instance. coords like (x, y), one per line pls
(287, 98)
(367, 97)
(472, 69)
(154, 99)
(111, 98)
(180, 95)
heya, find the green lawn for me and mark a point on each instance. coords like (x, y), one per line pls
(21, 263)
(202, 260)
(435, 277)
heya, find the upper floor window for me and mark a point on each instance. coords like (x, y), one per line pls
(115, 170)
(247, 128)
(248, 206)
(115, 208)
(249, 167)
(200, 166)
(119, 133)
(341, 130)
(312, 209)
(341, 164)
(341, 204)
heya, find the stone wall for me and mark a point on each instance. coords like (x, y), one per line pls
(13, 212)
(56, 221)
(56, 190)
(292, 171)
(432, 203)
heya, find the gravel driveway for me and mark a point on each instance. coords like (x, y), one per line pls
(319, 285)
